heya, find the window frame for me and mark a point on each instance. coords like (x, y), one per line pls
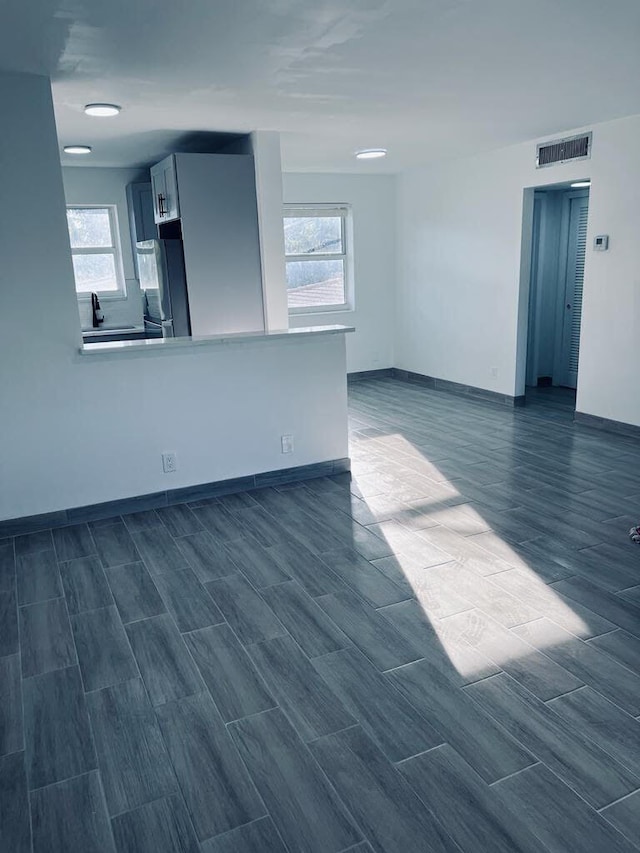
(115, 249)
(300, 210)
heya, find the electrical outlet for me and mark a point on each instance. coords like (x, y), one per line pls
(286, 442)
(169, 463)
(494, 372)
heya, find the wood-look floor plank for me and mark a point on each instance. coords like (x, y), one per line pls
(7, 565)
(486, 594)
(71, 815)
(11, 739)
(625, 816)
(179, 520)
(259, 836)
(560, 819)
(394, 723)
(303, 565)
(233, 681)
(104, 654)
(158, 551)
(304, 808)
(9, 642)
(219, 521)
(312, 707)
(218, 792)
(207, 556)
(133, 761)
(579, 762)
(85, 584)
(163, 826)
(586, 662)
(114, 545)
(46, 641)
(188, 601)
(545, 678)
(617, 732)
(623, 614)
(307, 623)
(57, 735)
(15, 832)
(166, 666)
(135, 593)
(384, 806)
(72, 542)
(256, 561)
(551, 601)
(364, 578)
(244, 609)
(443, 781)
(486, 746)
(622, 647)
(38, 577)
(455, 658)
(368, 630)
(29, 543)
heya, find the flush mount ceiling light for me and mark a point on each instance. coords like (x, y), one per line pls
(371, 153)
(581, 184)
(102, 110)
(77, 149)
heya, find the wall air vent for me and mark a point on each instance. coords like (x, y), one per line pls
(564, 150)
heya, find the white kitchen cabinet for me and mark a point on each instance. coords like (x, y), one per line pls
(164, 183)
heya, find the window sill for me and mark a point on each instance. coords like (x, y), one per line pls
(103, 296)
(321, 309)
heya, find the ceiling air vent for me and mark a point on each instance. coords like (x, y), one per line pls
(563, 150)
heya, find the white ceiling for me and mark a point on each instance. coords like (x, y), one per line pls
(424, 78)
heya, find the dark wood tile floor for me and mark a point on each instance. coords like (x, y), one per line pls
(439, 654)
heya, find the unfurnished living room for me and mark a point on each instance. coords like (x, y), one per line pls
(319, 495)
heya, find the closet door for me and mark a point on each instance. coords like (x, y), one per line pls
(574, 277)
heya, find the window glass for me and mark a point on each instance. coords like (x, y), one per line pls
(313, 235)
(89, 227)
(95, 273)
(316, 258)
(315, 283)
(95, 249)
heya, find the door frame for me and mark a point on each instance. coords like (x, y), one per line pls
(526, 249)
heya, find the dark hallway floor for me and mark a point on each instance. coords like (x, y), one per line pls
(442, 654)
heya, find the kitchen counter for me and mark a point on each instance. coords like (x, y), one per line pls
(113, 334)
(150, 345)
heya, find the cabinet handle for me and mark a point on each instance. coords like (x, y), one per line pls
(161, 200)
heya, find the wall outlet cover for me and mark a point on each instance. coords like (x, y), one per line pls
(169, 463)
(286, 442)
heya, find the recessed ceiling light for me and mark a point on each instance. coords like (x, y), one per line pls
(581, 184)
(371, 153)
(102, 110)
(77, 149)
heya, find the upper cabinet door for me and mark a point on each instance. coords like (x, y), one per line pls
(165, 190)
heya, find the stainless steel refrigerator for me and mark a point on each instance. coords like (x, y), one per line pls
(164, 288)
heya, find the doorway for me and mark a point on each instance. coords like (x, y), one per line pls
(558, 247)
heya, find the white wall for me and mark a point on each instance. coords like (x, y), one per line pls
(459, 304)
(78, 430)
(373, 201)
(88, 185)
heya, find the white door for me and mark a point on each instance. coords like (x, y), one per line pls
(569, 350)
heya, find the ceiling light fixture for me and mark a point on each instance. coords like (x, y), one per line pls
(371, 153)
(102, 110)
(581, 184)
(77, 149)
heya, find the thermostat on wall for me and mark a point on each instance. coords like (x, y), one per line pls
(601, 242)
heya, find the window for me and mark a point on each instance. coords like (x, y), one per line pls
(95, 249)
(315, 246)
